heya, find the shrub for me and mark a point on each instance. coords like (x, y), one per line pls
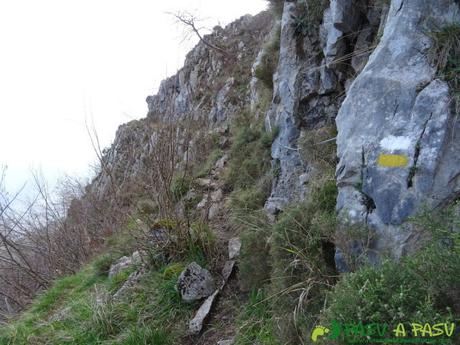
(276, 6)
(103, 263)
(423, 286)
(208, 165)
(250, 154)
(147, 207)
(303, 261)
(445, 55)
(252, 198)
(309, 17)
(255, 322)
(269, 61)
(255, 262)
(202, 237)
(179, 187)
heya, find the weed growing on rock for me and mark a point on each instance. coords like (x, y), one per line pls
(250, 160)
(269, 61)
(309, 17)
(276, 6)
(445, 55)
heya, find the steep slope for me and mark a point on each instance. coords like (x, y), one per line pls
(326, 139)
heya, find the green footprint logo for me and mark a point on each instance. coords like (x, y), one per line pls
(319, 331)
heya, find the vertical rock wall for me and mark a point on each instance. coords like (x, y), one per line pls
(397, 133)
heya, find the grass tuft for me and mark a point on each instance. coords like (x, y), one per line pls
(445, 56)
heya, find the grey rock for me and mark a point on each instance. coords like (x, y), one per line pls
(345, 15)
(125, 262)
(222, 162)
(214, 211)
(234, 248)
(136, 258)
(196, 324)
(333, 43)
(191, 195)
(195, 283)
(121, 264)
(60, 315)
(306, 94)
(281, 114)
(203, 182)
(341, 18)
(227, 272)
(217, 195)
(131, 282)
(202, 204)
(221, 107)
(225, 342)
(328, 79)
(362, 49)
(396, 106)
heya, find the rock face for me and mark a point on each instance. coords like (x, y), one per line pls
(205, 68)
(307, 95)
(357, 65)
(210, 88)
(195, 283)
(397, 110)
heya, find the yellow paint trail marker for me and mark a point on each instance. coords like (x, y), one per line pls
(392, 161)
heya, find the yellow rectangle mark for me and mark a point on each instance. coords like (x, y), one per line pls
(392, 161)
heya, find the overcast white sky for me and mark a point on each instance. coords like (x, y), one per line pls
(62, 61)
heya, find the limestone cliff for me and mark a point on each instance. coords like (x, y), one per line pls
(360, 64)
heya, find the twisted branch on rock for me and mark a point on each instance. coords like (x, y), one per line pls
(189, 20)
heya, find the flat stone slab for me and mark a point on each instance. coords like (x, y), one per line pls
(196, 324)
